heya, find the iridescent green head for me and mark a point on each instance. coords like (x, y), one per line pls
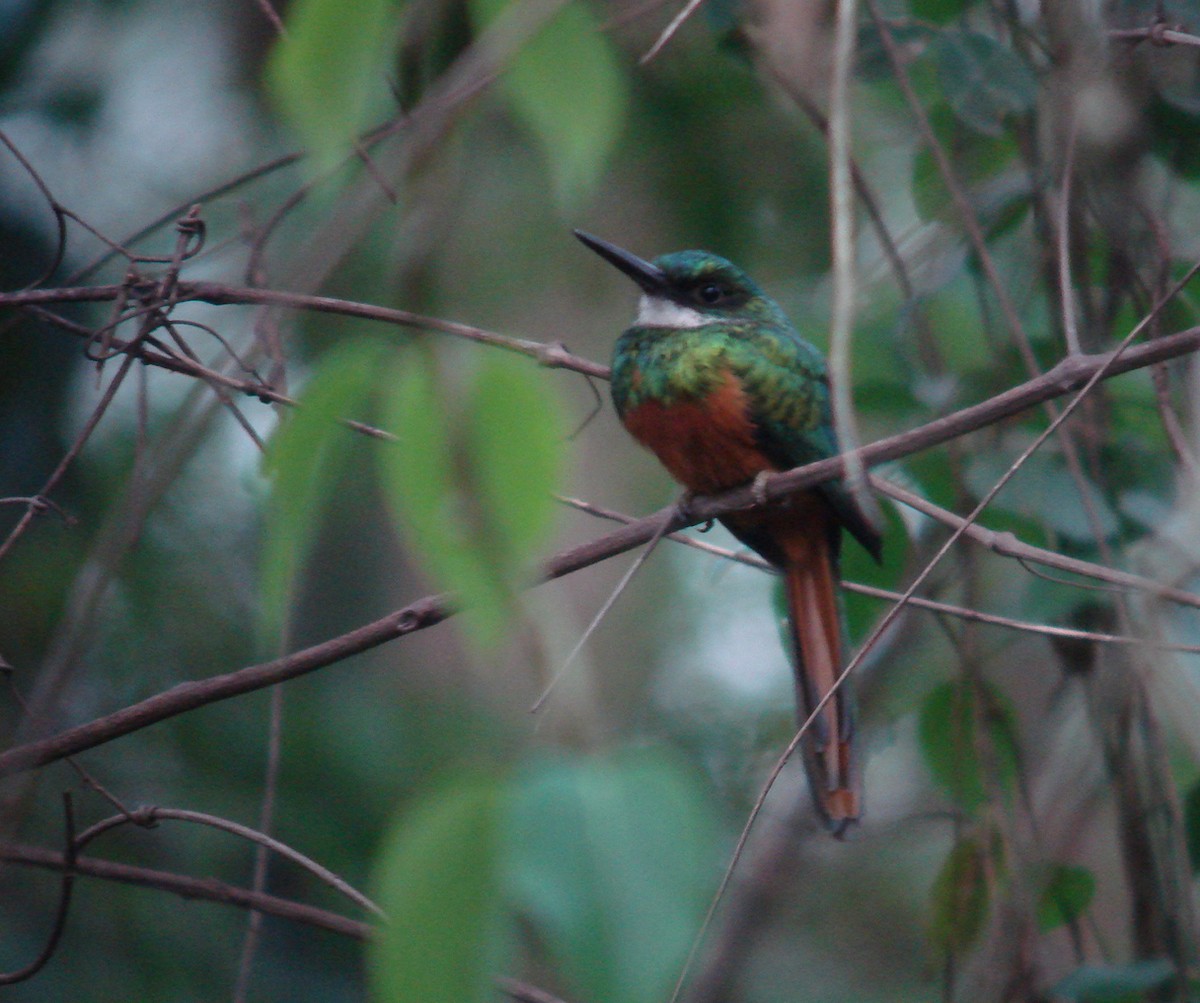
(689, 288)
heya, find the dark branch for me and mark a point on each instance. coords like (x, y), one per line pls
(1068, 375)
(209, 889)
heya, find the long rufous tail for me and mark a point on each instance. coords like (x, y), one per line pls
(814, 607)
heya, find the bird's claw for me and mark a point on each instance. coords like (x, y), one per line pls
(683, 505)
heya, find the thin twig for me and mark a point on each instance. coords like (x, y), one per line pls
(601, 613)
(1066, 283)
(997, 542)
(64, 904)
(220, 294)
(56, 207)
(1157, 33)
(669, 31)
(845, 278)
(68, 458)
(152, 815)
(266, 819)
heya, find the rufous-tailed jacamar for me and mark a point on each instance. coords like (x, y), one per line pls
(718, 384)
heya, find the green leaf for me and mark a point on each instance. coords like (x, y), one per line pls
(328, 71)
(952, 747)
(434, 515)
(516, 450)
(1066, 895)
(567, 87)
(614, 859)
(1114, 983)
(961, 893)
(438, 881)
(983, 80)
(303, 461)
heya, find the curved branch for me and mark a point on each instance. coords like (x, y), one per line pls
(209, 889)
(151, 815)
(1068, 375)
(60, 914)
(221, 294)
(1005, 544)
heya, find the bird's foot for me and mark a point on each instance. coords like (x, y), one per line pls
(683, 506)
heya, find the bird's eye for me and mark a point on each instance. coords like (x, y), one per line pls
(711, 293)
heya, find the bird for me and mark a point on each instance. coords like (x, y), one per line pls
(715, 380)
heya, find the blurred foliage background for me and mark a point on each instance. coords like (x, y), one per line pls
(1031, 189)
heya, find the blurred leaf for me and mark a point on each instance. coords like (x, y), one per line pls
(961, 893)
(613, 860)
(568, 88)
(953, 750)
(987, 167)
(472, 492)
(1175, 136)
(304, 461)
(324, 72)
(516, 451)
(726, 19)
(1145, 508)
(982, 79)
(1043, 489)
(1114, 983)
(939, 11)
(25, 22)
(1191, 821)
(420, 482)
(954, 317)
(438, 881)
(871, 59)
(1066, 895)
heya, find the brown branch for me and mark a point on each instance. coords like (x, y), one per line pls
(198, 693)
(1005, 544)
(213, 890)
(150, 816)
(1157, 33)
(221, 294)
(1068, 375)
(208, 889)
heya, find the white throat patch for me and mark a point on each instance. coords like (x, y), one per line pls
(658, 311)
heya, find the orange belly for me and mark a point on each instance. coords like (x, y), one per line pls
(706, 443)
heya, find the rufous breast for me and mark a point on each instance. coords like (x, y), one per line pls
(707, 443)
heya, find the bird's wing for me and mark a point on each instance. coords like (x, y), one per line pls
(788, 390)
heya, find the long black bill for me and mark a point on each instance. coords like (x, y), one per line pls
(646, 275)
